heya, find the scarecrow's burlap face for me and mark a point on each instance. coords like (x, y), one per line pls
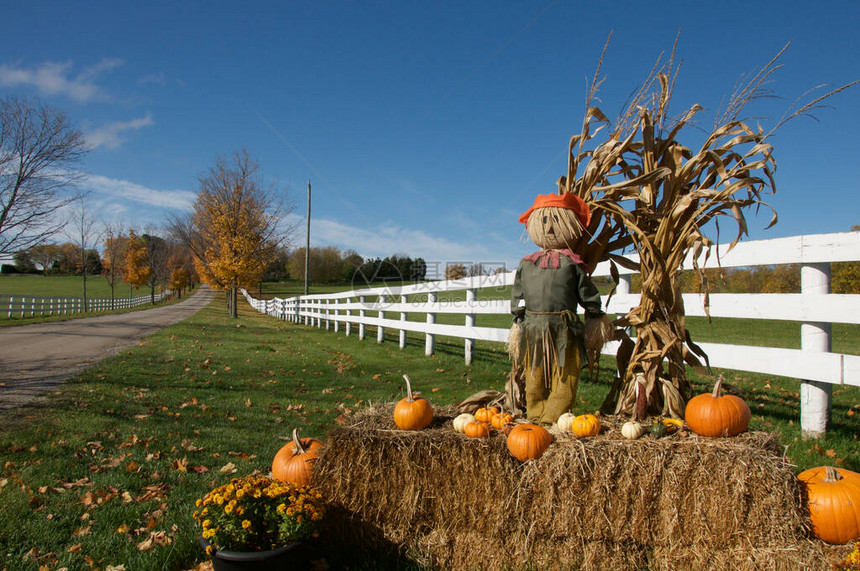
(553, 228)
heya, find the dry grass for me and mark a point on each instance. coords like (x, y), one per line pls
(681, 502)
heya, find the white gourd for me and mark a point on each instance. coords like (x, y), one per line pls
(461, 421)
(564, 421)
(632, 430)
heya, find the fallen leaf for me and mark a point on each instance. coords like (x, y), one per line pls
(180, 465)
(228, 468)
(75, 548)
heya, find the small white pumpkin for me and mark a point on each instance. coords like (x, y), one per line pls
(564, 421)
(461, 421)
(632, 430)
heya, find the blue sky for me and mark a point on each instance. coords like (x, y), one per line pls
(424, 127)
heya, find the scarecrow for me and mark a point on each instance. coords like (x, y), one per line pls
(547, 336)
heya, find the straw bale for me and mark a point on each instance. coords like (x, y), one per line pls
(682, 502)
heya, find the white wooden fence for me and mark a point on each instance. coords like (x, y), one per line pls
(814, 307)
(30, 306)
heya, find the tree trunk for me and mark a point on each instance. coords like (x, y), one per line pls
(234, 312)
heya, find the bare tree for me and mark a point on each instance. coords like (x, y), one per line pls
(83, 233)
(38, 147)
(113, 258)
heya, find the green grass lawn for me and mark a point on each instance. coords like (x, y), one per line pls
(845, 338)
(113, 462)
(62, 286)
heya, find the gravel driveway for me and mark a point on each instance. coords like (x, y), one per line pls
(36, 359)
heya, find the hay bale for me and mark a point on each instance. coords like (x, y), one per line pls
(453, 502)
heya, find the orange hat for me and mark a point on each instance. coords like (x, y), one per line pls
(567, 200)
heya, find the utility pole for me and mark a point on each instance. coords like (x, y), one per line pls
(308, 240)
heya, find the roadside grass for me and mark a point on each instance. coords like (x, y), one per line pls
(106, 471)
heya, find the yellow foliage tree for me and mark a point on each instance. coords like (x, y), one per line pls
(137, 270)
(235, 228)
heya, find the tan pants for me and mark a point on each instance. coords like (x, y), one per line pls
(545, 404)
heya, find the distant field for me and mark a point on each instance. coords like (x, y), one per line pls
(62, 286)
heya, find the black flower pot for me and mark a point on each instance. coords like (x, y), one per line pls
(282, 558)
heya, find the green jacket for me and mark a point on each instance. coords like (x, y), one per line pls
(548, 287)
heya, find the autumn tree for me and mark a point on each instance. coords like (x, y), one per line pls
(38, 150)
(44, 256)
(845, 276)
(455, 272)
(136, 269)
(235, 228)
(178, 274)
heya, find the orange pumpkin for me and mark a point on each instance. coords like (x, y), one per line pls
(712, 415)
(294, 462)
(476, 429)
(528, 441)
(412, 412)
(485, 414)
(500, 419)
(585, 425)
(834, 503)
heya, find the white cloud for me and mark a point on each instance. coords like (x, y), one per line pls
(110, 137)
(130, 191)
(153, 78)
(388, 239)
(55, 78)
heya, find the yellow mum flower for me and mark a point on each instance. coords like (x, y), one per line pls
(246, 524)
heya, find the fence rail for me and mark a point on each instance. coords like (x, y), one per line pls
(814, 307)
(31, 306)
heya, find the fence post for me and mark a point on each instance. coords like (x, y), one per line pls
(471, 297)
(348, 314)
(23, 306)
(430, 338)
(336, 315)
(11, 300)
(361, 313)
(380, 330)
(403, 317)
(814, 336)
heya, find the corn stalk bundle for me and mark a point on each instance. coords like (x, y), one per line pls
(648, 191)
